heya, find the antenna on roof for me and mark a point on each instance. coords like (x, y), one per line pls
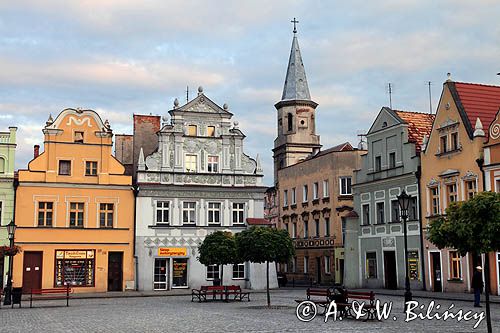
(430, 97)
(389, 86)
(187, 94)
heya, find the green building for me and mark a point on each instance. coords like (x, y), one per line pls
(7, 158)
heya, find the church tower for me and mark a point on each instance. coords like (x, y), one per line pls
(297, 137)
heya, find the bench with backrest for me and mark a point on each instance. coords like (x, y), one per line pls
(234, 293)
(367, 298)
(50, 294)
(319, 296)
(208, 293)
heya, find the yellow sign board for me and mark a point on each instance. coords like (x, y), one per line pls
(172, 251)
(75, 254)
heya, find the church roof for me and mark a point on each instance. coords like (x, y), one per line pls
(295, 87)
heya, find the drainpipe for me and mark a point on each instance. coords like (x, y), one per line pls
(418, 174)
(135, 188)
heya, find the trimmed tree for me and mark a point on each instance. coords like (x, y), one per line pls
(471, 226)
(264, 244)
(218, 248)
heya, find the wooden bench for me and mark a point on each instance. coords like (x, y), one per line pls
(319, 296)
(234, 293)
(368, 300)
(50, 294)
(208, 291)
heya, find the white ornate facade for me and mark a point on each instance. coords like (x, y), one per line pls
(198, 181)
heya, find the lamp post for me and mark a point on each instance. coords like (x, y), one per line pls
(404, 202)
(11, 229)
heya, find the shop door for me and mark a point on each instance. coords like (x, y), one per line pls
(390, 272)
(115, 271)
(32, 271)
(436, 271)
(160, 279)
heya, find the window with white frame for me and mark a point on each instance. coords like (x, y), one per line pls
(190, 163)
(213, 272)
(366, 214)
(294, 196)
(326, 189)
(327, 264)
(211, 131)
(413, 209)
(214, 213)
(380, 213)
(394, 210)
(238, 213)
(371, 265)
(285, 198)
(315, 191)
(213, 164)
(451, 190)
(304, 193)
(455, 265)
(294, 230)
(434, 191)
(106, 213)
(192, 130)
(239, 271)
(306, 229)
(189, 212)
(470, 187)
(162, 212)
(45, 213)
(306, 264)
(345, 186)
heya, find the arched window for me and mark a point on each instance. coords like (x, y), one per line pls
(290, 121)
(2, 165)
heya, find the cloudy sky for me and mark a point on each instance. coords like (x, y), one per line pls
(121, 57)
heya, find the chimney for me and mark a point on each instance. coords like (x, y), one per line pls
(36, 151)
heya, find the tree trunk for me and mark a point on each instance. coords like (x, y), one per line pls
(267, 285)
(487, 290)
(221, 275)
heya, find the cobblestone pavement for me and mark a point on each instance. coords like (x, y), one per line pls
(179, 314)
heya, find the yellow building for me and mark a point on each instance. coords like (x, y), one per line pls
(75, 210)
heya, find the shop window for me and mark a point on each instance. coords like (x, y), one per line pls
(214, 213)
(179, 272)
(162, 212)
(45, 213)
(213, 164)
(65, 168)
(213, 272)
(239, 271)
(90, 168)
(238, 213)
(106, 213)
(455, 265)
(75, 268)
(371, 265)
(76, 214)
(189, 212)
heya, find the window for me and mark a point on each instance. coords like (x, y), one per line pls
(392, 160)
(444, 144)
(371, 265)
(74, 272)
(344, 225)
(90, 168)
(211, 131)
(294, 196)
(238, 213)
(454, 141)
(192, 130)
(435, 200)
(304, 193)
(213, 164)
(327, 227)
(315, 191)
(213, 213)
(293, 263)
(452, 193)
(106, 215)
(190, 163)
(179, 272)
(326, 190)
(162, 212)
(316, 223)
(45, 213)
(76, 211)
(290, 122)
(306, 264)
(2, 165)
(213, 272)
(285, 198)
(470, 187)
(327, 264)
(395, 211)
(189, 212)
(1, 203)
(380, 213)
(78, 137)
(345, 186)
(65, 168)
(455, 265)
(239, 271)
(366, 214)
(378, 163)
(294, 230)
(413, 209)
(306, 229)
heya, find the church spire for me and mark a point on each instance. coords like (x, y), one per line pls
(296, 87)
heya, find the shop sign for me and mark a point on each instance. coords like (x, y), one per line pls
(75, 254)
(172, 252)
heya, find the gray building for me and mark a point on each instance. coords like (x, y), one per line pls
(199, 180)
(374, 249)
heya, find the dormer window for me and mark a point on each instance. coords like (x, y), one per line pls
(78, 137)
(192, 130)
(211, 131)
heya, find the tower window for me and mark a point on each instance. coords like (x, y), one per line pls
(290, 121)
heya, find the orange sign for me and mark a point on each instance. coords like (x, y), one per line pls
(172, 251)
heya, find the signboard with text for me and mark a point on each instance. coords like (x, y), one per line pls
(172, 251)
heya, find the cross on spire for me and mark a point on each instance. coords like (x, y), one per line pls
(294, 25)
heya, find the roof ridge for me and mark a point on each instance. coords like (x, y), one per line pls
(417, 112)
(477, 84)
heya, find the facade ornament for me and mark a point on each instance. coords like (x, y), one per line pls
(433, 183)
(236, 124)
(478, 129)
(141, 165)
(200, 90)
(258, 169)
(50, 121)
(176, 103)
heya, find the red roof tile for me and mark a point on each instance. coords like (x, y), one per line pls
(419, 124)
(479, 100)
(257, 221)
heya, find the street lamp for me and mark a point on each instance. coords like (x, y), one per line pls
(404, 202)
(11, 230)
